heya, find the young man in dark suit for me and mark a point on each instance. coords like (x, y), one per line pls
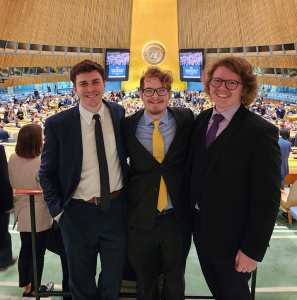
(83, 172)
(233, 176)
(157, 139)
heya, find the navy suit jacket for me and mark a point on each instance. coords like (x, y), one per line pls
(285, 148)
(61, 159)
(4, 136)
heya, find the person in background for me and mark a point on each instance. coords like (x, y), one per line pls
(4, 136)
(20, 114)
(284, 133)
(23, 170)
(285, 148)
(6, 205)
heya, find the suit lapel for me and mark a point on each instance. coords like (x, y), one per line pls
(225, 137)
(75, 130)
(116, 118)
(178, 117)
(201, 119)
(133, 127)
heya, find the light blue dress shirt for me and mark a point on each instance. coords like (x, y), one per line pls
(144, 133)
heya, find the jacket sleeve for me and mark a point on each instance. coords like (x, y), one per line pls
(6, 195)
(49, 171)
(265, 194)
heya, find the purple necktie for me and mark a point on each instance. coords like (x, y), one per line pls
(211, 134)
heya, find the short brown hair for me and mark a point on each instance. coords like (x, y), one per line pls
(86, 66)
(164, 76)
(239, 66)
(29, 143)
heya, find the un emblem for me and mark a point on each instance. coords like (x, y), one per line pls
(154, 53)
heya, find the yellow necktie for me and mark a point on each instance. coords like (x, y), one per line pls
(159, 154)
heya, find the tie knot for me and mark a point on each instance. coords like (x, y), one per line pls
(157, 123)
(96, 117)
(217, 118)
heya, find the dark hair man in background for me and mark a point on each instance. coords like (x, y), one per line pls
(234, 180)
(157, 139)
(82, 174)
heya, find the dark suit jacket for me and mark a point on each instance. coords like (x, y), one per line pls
(4, 136)
(146, 172)
(61, 159)
(285, 148)
(241, 189)
(6, 200)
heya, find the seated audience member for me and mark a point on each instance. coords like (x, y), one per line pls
(288, 126)
(4, 136)
(11, 116)
(284, 133)
(285, 148)
(23, 170)
(20, 114)
(6, 113)
(6, 205)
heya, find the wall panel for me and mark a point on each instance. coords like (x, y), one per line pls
(75, 23)
(236, 23)
(16, 60)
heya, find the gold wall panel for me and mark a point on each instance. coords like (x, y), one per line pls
(236, 23)
(34, 80)
(154, 21)
(17, 60)
(76, 23)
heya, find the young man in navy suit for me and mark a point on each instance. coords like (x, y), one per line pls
(233, 177)
(83, 172)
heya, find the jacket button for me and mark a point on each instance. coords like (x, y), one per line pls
(156, 189)
(162, 166)
(202, 168)
(204, 156)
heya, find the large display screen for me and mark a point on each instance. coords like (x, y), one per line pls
(191, 63)
(117, 64)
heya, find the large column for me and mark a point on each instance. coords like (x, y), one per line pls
(154, 21)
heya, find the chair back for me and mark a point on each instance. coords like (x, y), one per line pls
(292, 197)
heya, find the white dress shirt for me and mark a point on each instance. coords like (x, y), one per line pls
(89, 185)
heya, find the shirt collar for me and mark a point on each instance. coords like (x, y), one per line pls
(227, 114)
(148, 120)
(88, 116)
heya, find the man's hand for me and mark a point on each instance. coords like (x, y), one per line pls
(244, 264)
(8, 211)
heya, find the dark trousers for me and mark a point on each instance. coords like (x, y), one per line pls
(164, 248)
(25, 259)
(5, 240)
(86, 232)
(224, 282)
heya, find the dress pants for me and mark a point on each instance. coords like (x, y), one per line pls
(163, 249)
(5, 240)
(86, 232)
(25, 264)
(224, 282)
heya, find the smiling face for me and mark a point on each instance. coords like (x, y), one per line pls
(221, 96)
(90, 88)
(155, 106)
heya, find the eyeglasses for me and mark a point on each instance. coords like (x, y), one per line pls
(150, 92)
(229, 84)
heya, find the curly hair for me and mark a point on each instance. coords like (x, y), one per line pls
(239, 66)
(164, 76)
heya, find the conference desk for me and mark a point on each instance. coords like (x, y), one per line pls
(291, 118)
